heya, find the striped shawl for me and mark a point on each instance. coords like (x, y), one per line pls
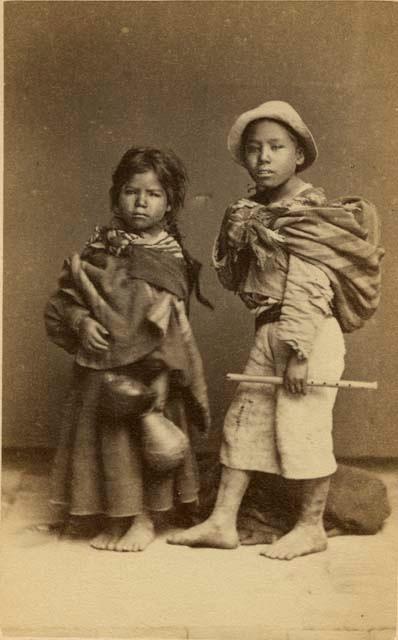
(341, 238)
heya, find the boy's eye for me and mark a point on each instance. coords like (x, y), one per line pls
(252, 148)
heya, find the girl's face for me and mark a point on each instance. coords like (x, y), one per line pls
(271, 155)
(143, 203)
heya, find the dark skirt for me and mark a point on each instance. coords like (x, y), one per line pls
(98, 466)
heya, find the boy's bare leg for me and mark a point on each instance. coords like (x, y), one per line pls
(308, 535)
(219, 530)
(140, 534)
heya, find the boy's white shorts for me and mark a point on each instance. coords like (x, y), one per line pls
(268, 429)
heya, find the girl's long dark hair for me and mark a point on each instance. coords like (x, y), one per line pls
(173, 177)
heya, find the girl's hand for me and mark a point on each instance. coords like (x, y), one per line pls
(93, 336)
(296, 374)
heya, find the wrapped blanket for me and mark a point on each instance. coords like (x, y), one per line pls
(340, 237)
(139, 294)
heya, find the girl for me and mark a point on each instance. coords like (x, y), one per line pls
(121, 310)
(308, 269)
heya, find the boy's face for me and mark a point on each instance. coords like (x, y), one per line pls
(271, 155)
(143, 203)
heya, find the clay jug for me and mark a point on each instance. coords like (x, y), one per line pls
(123, 396)
(163, 444)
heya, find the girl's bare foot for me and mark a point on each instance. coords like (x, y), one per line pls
(140, 534)
(207, 534)
(301, 541)
(108, 538)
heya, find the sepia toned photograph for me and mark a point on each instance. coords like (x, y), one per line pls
(199, 379)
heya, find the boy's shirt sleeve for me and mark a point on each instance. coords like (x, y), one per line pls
(222, 264)
(306, 304)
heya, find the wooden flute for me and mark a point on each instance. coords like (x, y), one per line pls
(341, 384)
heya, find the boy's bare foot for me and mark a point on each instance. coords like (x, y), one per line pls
(207, 534)
(301, 541)
(108, 538)
(138, 536)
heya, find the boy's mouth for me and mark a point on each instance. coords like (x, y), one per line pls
(264, 172)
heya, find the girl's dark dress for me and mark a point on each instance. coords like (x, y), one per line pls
(138, 292)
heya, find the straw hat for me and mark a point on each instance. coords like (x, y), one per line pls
(281, 112)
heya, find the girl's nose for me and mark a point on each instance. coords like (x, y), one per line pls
(141, 198)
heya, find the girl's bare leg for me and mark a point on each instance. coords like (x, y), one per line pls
(308, 535)
(134, 533)
(219, 530)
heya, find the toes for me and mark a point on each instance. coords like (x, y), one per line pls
(103, 543)
(272, 555)
(112, 544)
(125, 547)
(97, 544)
(132, 544)
(280, 554)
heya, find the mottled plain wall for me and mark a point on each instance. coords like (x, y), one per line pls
(85, 80)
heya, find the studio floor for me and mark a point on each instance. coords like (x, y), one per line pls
(52, 587)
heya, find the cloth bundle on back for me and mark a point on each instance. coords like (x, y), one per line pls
(341, 237)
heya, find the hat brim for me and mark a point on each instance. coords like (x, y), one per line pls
(281, 112)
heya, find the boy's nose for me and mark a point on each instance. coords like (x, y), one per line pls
(264, 154)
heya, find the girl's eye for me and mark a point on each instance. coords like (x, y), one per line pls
(155, 194)
(276, 146)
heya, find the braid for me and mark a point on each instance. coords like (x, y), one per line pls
(193, 266)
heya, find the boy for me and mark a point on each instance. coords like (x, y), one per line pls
(281, 252)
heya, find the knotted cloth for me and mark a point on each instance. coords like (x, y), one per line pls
(341, 238)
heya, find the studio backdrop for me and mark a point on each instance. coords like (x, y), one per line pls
(86, 80)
